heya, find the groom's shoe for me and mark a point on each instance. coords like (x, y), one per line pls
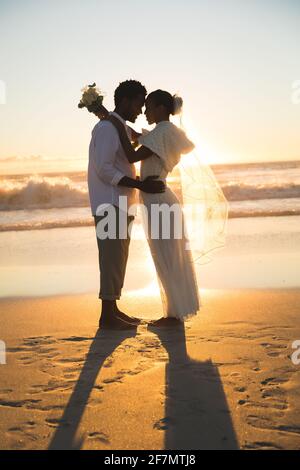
(126, 319)
(114, 324)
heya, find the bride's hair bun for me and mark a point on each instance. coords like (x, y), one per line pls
(178, 103)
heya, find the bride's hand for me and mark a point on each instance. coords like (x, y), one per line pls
(102, 113)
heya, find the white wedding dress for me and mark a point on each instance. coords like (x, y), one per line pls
(173, 261)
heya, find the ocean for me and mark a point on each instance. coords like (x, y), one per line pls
(31, 200)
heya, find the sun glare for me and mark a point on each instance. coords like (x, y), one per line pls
(204, 151)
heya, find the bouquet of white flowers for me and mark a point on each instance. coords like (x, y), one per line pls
(92, 99)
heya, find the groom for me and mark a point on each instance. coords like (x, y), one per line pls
(110, 176)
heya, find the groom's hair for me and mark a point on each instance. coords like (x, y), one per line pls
(129, 89)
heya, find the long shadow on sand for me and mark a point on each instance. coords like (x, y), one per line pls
(102, 347)
(197, 415)
(196, 410)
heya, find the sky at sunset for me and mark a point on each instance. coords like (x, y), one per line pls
(233, 61)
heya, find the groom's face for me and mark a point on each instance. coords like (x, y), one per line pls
(135, 106)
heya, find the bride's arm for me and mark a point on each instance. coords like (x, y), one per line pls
(134, 136)
(132, 155)
(103, 113)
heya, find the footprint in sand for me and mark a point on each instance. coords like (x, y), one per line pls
(20, 435)
(117, 378)
(242, 402)
(262, 445)
(271, 424)
(235, 375)
(35, 348)
(99, 436)
(163, 424)
(274, 380)
(19, 403)
(273, 396)
(38, 341)
(24, 426)
(57, 422)
(240, 389)
(273, 349)
(77, 339)
(99, 387)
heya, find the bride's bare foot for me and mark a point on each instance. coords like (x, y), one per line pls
(168, 321)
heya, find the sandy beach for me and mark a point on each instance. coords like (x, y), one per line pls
(223, 381)
(201, 95)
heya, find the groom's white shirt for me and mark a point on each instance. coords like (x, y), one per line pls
(107, 166)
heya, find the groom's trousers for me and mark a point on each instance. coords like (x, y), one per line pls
(113, 255)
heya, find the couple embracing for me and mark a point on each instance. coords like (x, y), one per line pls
(114, 148)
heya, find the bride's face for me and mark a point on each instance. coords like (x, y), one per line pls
(150, 112)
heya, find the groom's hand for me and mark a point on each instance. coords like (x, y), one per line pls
(150, 185)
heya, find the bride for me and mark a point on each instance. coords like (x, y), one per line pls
(159, 153)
